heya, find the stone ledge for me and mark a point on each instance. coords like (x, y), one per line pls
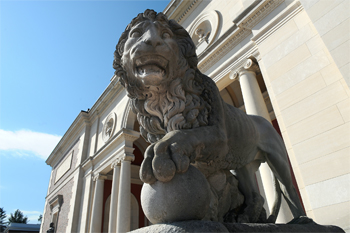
(256, 227)
(208, 226)
(184, 227)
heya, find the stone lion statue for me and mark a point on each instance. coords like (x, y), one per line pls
(182, 115)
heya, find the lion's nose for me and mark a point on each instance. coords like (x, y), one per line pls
(152, 39)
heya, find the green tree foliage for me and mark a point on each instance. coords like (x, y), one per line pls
(3, 222)
(18, 217)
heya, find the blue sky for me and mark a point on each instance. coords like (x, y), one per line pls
(55, 60)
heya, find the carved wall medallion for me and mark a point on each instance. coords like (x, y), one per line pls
(109, 126)
(204, 29)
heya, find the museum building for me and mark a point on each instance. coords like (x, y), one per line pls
(285, 60)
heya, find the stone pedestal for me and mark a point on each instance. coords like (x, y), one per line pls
(207, 226)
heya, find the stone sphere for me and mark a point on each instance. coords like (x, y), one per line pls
(185, 197)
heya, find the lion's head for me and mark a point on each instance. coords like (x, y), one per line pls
(151, 51)
(155, 60)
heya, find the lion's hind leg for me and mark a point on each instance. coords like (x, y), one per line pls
(276, 156)
(281, 170)
(253, 200)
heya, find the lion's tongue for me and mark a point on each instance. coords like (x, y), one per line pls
(149, 69)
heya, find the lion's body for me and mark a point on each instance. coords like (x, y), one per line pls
(190, 123)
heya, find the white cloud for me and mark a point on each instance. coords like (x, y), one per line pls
(40, 144)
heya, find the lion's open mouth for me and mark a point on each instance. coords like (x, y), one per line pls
(151, 66)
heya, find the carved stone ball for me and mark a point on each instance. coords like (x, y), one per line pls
(185, 197)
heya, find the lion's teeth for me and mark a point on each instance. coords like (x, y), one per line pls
(150, 69)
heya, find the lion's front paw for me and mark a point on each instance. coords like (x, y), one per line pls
(168, 159)
(146, 171)
(163, 159)
(163, 168)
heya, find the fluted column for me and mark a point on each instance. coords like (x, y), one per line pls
(255, 105)
(123, 215)
(97, 205)
(112, 227)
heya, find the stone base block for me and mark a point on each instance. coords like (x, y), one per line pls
(184, 226)
(207, 226)
(255, 227)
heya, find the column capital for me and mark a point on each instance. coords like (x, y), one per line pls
(115, 163)
(99, 177)
(248, 66)
(128, 157)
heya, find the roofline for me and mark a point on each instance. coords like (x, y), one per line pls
(84, 116)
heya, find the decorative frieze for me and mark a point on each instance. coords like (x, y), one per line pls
(244, 29)
(189, 9)
(260, 12)
(127, 156)
(223, 50)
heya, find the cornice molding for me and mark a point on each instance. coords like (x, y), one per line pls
(122, 140)
(236, 61)
(84, 119)
(258, 13)
(212, 58)
(228, 42)
(129, 136)
(58, 199)
(189, 10)
(64, 182)
(126, 114)
(68, 138)
(277, 22)
(180, 10)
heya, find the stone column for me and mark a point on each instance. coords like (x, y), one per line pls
(255, 105)
(123, 215)
(97, 205)
(112, 227)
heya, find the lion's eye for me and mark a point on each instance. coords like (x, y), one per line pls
(166, 35)
(135, 34)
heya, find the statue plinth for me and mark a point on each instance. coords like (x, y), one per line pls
(208, 226)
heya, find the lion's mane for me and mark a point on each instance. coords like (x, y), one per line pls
(183, 104)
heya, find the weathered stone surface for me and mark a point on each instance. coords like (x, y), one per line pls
(181, 113)
(185, 226)
(207, 226)
(185, 197)
(256, 227)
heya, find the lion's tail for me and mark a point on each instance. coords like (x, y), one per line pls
(277, 204)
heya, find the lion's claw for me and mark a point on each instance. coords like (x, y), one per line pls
(163, 168)
(146, 171)
(182, 162)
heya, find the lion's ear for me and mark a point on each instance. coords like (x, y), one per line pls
(186, 45)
